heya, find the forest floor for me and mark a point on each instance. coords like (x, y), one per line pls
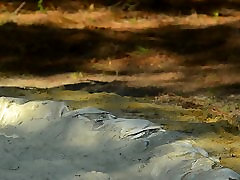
(179, 70)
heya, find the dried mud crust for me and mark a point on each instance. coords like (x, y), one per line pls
(206, 119)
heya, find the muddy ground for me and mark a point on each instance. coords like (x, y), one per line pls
(176, 69)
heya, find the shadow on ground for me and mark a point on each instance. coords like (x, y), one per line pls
(116, 87)
(207, 55)
(41, 50)
(166, 6)
(122, 89)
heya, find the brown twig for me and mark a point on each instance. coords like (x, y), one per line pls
(19, 7)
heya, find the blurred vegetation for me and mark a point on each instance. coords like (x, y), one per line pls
(40, 5)
(182, 5)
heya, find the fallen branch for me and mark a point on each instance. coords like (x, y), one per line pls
(19, 7)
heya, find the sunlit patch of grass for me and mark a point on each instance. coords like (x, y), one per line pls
(76, 75)
(142, 50)
(133, 20)
(215, 13)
